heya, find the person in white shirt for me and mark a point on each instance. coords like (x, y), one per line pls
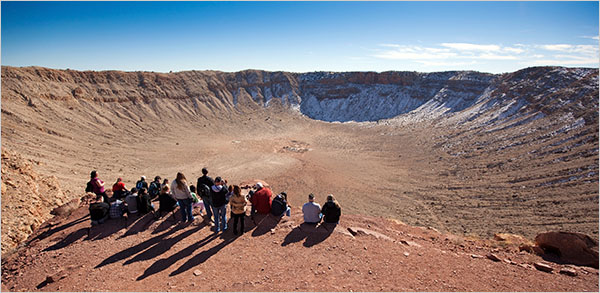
(311, 211)
(181, 192)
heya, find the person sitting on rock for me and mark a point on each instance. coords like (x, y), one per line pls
(117, 209)
(166, 201)
(132, 201)
(98, 186)
(119, 189)
(261, 200)
(141, 184)
(331, 210)
(98, 211)
(204, 184)
(311, 211)
(238, 209)
(219, 203)
(144, 202)
(154, 188)
(279, 205)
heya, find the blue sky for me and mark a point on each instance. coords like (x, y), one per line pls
(300, 36)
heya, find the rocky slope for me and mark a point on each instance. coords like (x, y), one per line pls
(360, 254)
(521, 147)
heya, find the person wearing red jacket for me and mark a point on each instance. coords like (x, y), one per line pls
(261, 200)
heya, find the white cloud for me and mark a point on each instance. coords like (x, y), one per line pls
(591, 37)
(471, 47)
(557, 47)
(466, 54)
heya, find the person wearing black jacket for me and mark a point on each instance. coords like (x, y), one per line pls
(144, 204)
(219, 203)
(206, 197)
(331, 211)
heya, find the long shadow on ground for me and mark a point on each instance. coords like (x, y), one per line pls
(203, 256)
(49, 232)
(312, 234)
(163, 246)
(137, 248)
(162, 264)
(70, 239)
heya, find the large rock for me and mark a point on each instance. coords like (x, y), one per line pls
(575, 248)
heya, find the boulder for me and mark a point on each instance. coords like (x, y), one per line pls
(575, 248)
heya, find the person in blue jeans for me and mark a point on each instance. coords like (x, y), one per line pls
(219, 204)
(181, 191)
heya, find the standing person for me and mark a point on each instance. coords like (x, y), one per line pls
(261, 200)
(141, 183)
(238, 209)
(219, 203)
(181, 192)
(279, 205)
(98, 186)
(312, 211)
(204, 185)
(155, 187)
(132, 201)
(331, 210)
(119, 188)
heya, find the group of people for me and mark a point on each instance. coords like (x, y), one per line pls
(211, 195)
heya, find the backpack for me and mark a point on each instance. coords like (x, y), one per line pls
(204, 191)
(154, 189)
(89, 187)
(139, 185)
(278, 206)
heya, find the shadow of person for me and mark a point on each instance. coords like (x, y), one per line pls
(162, 246)
(51, 231)
(203, 256)
(164, 263)
(322, 232)
(264, 224)
(141, 223)
(136, 248)
(312, 234)
(106, 229)
(70, 239)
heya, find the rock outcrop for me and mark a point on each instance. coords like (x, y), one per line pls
(575, 248)
(27, 199)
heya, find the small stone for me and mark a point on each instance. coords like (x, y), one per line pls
(543, 267)
(197, 273)
(476, 256)
(568, 271)
(365, 248)
(370, 272)
(493, 257)
(406, 254)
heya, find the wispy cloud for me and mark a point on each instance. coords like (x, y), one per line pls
(471, 47)
(459, 54)
(591, 37)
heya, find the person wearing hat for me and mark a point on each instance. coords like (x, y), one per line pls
(311, 211)
(261, 200)
(141, 184)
